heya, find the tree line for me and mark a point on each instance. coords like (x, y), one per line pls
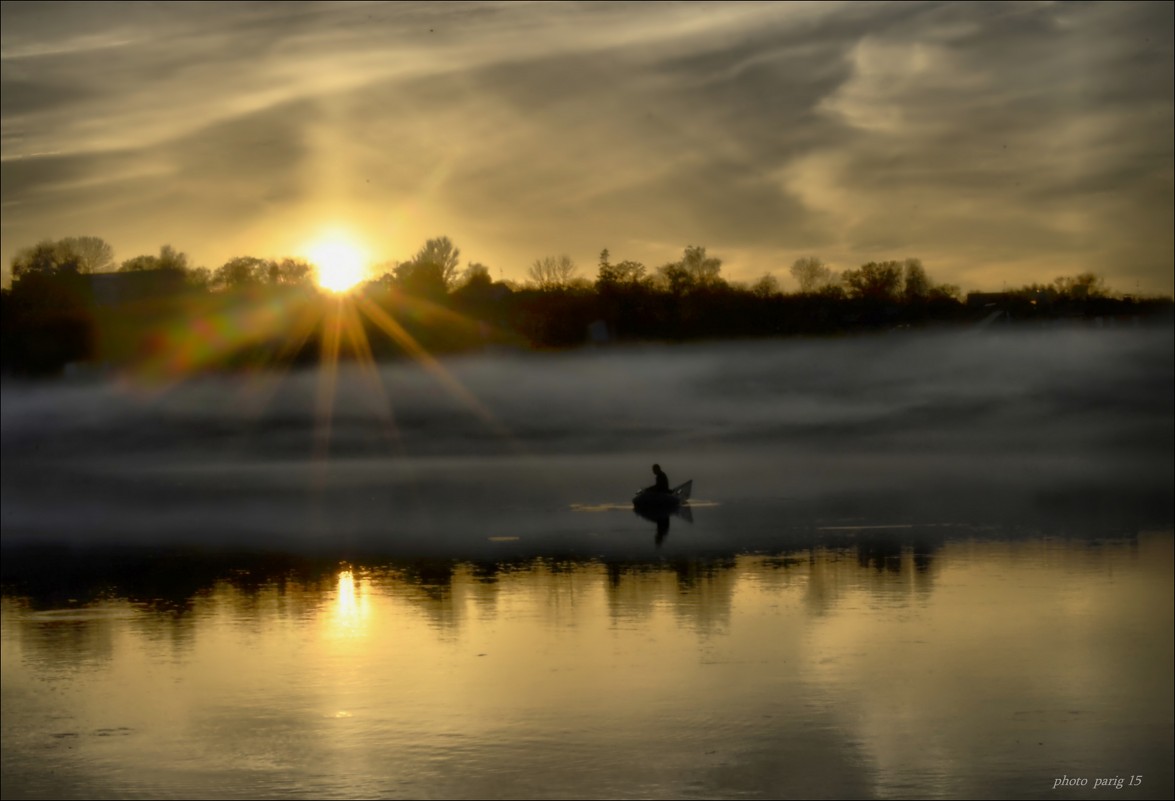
(87, 255)
(56, 311)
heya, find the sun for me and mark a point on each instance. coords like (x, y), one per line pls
(339, 263)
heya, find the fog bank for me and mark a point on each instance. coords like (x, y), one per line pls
(952, 428)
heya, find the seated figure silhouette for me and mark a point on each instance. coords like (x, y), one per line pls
(662, 484)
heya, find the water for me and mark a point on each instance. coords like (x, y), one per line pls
(970, 666)
(914, 568)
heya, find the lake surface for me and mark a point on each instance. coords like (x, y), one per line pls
(913, 567)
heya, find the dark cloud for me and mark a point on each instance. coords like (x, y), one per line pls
(21, 96)
(997, 141)
(994, 122)
(255, 155)
(28, 178)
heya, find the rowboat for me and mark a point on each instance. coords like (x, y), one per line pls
(652, 501)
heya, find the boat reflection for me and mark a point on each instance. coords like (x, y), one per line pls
(661, 518)
(843, 650)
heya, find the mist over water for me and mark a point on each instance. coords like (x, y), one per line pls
(962, 428)
(913, 566)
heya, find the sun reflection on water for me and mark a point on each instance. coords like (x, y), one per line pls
(352, 607)
(697, 677)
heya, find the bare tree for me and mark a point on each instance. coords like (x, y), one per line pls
(553, 272)
(811, 273)
(1081, 286)
(443, 254)
(702, 269)
(72, 255)
(94, 253)
(44, 258)
(918, 284)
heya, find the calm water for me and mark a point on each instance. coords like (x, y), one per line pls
(914, 567)
(962, 665)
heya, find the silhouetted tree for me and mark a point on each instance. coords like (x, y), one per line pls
(239, 272)
(480, 297)
(46, 258)
(200, 278)
(423, 279)
(876, 281)
(812, 274)
(611, 276)
(674, 278)
(70, 256)
(476, 274)
(168, 259)
(940, 293)
(917, 286)
(442, 254)
(703, 270)
(139, 264)
(54, 314)
(46, 322)
(695, 271)
(289, 271)
(766, 287)
(1081, 287)
(245, 271)
(552, 272)
(172, 259)
(630, 272)
(94, 254)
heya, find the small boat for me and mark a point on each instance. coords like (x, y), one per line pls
(652, 501)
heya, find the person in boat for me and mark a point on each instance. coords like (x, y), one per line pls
(662, 484)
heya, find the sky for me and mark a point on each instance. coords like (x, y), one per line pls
(1002, 144)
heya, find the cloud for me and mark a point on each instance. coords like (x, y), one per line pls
(1011, 138)
(1004, 142)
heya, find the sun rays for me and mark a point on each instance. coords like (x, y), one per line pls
(263, 333)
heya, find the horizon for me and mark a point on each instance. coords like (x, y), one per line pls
(338, 268)
(1001, 145)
